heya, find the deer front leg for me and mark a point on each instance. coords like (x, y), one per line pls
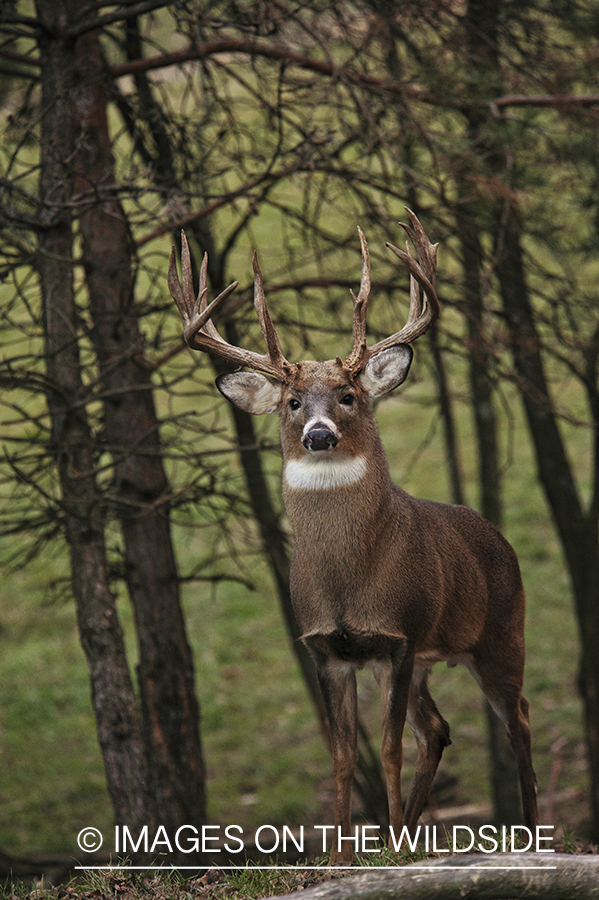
(394, 675)
(338, 686)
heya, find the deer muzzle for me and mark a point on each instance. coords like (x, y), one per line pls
(319, 437)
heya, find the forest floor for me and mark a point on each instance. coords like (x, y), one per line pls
(56, 878)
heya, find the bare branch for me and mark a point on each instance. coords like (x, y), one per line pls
(268, 51)
(556, 100)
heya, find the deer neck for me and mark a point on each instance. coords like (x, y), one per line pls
(326, 493)
(339, 533)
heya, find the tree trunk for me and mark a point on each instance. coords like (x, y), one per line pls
(481, 37)
(274, 541)
(73, 444)
(577, 530)
(505, 790)
(170, 713)
(449, 427)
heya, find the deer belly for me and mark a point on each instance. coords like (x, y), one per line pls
(352, 647)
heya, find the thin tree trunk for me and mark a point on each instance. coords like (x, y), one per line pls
(449, 428)
(73, 444)
(170, 713)
(577, 529)
(505, 791)
(480, 23)
(274, 540)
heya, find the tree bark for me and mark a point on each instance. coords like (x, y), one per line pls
(452, 453)
(72, 442)
(170, 712)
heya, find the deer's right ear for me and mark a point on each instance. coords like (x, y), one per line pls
(251, 391)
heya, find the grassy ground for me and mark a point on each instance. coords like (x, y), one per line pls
(240, 884)
(266, 760)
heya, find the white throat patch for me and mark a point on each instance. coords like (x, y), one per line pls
(320, 472)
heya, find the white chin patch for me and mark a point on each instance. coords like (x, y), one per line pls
(319, 471)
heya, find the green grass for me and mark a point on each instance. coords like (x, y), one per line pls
(243, 883)
(51, 776)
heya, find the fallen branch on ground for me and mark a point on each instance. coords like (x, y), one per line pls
(500, 877)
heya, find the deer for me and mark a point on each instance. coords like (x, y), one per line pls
(378, 578)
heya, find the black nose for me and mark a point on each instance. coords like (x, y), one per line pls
(320, 438)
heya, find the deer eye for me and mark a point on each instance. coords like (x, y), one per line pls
(347, 400)
(294, 404)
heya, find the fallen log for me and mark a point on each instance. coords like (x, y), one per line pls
(506, 876)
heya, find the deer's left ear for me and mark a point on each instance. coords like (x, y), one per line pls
(386, 370)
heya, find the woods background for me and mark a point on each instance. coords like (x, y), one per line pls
(143, 515)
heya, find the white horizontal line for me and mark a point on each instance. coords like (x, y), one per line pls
(357, 869)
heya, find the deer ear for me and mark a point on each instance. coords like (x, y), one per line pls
(251, 391)
(386, 370)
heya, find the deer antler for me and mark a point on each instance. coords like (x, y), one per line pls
(422, 315)
(200, 332)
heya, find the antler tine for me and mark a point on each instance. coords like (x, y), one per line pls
(209, 328)
(194, 311)
(273, 346)
(427, 252)
(422, 315)
(360, 302)
(187, 272)
(200, 332)
(174, 285)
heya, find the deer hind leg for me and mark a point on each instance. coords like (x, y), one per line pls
(432, 736)
(338, 686)
(504, 693)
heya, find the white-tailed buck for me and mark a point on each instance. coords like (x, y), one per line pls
(378, 578)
